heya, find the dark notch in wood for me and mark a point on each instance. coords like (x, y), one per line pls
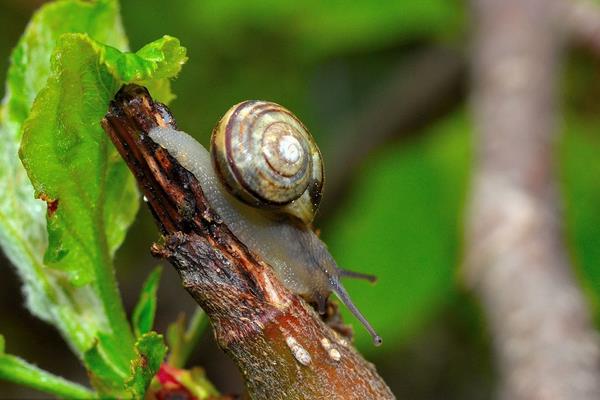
(282, 347)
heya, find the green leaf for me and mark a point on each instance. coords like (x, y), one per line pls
(325, 27)
(336, 26)
(30, 61)
(151, 66)
(143, 313)
(104, 374)
(75, 169)
(91, 198)
(580, 183)
(108, 363)
(401, 223)
(19, 371)
(69, 159)
(150, 350)
(159, 60)
(76, 312)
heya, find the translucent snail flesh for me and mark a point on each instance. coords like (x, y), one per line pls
(279, 230)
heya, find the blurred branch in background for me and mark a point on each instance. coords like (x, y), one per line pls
(582, 18)
(516, 258)
(421, 90)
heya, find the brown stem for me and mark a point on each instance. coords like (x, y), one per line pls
(282, 347)
(516, 258)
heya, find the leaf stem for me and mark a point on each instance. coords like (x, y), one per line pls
(17, 370)
(105, 275)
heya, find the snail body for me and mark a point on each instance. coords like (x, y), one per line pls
(239, 178)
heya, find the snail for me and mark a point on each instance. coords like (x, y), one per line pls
(264, 177)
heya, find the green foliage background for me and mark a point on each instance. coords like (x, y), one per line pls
(401, 216)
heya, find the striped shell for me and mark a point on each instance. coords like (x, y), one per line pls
(268, 159)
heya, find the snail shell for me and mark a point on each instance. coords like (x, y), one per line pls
(275, 227)
(267, 158)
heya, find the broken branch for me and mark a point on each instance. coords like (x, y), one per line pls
(282, 347)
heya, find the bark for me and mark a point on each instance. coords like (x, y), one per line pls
(516, 258)
(282, 347)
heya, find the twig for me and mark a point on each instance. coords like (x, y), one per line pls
(516, 258)
(281, 346)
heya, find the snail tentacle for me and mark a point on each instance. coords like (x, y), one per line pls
(346, 273)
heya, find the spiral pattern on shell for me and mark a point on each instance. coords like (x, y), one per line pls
(267, 158)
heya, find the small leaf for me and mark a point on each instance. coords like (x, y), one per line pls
(150, 350)
(182, 341)
(176, 341)
(103, 374)
(143, 314)
(176, 332)
(151, 66)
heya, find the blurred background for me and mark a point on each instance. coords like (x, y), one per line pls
(382, 86)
